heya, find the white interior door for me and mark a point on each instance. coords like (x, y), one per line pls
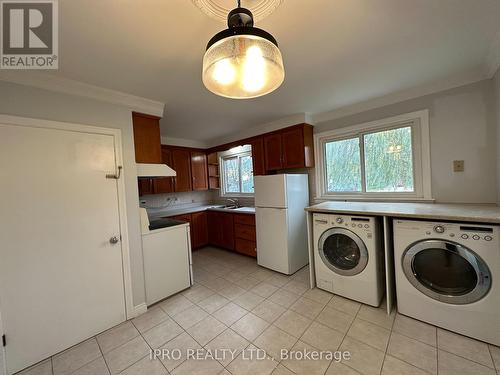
(61, 280)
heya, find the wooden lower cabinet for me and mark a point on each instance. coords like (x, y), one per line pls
(199, 223)
(222, 229)
(214, 232)
(227, 226)
(246, 247)
(184, 217)
(198, 227)
(245, 234)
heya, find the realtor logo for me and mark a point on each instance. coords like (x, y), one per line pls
(29, 37)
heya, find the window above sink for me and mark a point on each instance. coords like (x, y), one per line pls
(236, 171)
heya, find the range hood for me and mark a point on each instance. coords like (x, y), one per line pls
(154, 170)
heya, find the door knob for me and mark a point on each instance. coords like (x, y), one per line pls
(114, 240)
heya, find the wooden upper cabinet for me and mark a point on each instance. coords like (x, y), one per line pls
(147, 139)
(289, 148)
(273, 152)
(258, 159)
(181, 163)
(199, 170)
(165, 184)
(146, 186)
(293, 148)
(299, 140)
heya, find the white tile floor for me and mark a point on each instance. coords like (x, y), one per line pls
(238, 305)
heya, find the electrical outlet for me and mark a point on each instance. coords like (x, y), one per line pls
(458, 165)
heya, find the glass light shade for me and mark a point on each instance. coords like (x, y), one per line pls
(243, 67)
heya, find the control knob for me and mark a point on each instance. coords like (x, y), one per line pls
(339, 220)
(439, 229)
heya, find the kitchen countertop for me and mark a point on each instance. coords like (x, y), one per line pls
(241, 210)
(435, 211)
(167, 212)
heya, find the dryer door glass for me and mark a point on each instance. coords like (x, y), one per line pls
(446, 271)
(343, 251)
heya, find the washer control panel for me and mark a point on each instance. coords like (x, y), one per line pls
(344, 221)
(454, 231)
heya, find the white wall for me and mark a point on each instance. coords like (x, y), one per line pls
(3, 369)
(462, 127)
(496, 97)
(24, 101)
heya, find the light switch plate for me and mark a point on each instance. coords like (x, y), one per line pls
(458, 165)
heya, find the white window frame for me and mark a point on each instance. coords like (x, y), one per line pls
(419, 122)
(239, 152)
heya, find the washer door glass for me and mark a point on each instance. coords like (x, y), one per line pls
(343, 251)
(447, 271)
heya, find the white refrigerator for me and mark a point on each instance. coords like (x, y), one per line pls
(281, 221)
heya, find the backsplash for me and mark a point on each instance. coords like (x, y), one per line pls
(188, 199)
(247, 202)
(178, 200)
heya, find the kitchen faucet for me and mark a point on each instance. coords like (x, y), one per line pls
(234, 202)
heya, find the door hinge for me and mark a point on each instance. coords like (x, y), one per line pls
(4, 340)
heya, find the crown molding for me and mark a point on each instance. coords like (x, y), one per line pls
(183, 142)
(71, 87)
(401, 96)
(493, 58)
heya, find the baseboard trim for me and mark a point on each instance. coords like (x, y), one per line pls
(140, 309)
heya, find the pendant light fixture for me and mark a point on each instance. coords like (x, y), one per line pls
(242, 62)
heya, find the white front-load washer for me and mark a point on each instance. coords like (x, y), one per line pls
(447, 275)
(348, 257)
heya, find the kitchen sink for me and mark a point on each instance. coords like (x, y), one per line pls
(231, 207)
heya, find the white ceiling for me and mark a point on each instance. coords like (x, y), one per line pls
(336, 52)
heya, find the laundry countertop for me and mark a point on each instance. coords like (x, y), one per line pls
(435, 211)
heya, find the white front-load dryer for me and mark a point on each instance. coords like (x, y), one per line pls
(348, 258)
(447, 275)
